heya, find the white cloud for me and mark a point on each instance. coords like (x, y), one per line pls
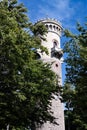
(56, 8)
(68, 12)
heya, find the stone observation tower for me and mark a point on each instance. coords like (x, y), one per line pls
(53, 45)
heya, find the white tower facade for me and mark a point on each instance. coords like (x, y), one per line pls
(52, 43)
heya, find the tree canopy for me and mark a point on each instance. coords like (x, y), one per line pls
(75, 90)
(26, 84)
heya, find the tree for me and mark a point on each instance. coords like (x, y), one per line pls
(76, 76)
(25, 90)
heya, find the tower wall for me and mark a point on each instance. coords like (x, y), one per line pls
(52, 43)
(50, 38)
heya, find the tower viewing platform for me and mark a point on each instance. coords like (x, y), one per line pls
(52, 25)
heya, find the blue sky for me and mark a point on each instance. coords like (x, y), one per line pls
(68, 12)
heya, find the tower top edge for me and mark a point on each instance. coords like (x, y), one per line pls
(50, 20)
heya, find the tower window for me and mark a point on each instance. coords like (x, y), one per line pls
(47, 26)
(50, 26)
(55, 43)
(38, 56)
(54, 27)
(56, 65)
(57, 28)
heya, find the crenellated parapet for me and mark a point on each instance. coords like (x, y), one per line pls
(52, 25)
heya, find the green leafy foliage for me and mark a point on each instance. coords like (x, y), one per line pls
(26, 84)
(76, 76)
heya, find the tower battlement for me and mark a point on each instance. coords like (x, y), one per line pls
(52, 25)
